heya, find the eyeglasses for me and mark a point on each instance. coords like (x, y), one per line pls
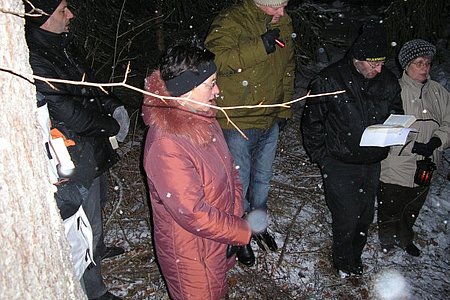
(210, 85)
(375, 65)
(421, 64)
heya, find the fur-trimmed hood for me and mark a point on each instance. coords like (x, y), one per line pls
(170, 117)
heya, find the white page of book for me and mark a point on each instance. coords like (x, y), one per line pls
(385, 136)
(400, 120)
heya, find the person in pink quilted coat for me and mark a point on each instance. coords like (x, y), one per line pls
(196, 196)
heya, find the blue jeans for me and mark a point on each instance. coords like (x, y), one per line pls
(254, 157)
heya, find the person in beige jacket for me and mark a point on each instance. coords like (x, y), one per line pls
(401, 196)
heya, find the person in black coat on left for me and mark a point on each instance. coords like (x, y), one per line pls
(87, 117)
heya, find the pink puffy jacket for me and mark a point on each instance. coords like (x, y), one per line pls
(196, 196)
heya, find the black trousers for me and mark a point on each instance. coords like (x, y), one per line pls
(350, 191)
(104, 184)
(398, 208)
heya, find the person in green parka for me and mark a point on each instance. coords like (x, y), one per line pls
(254, 48)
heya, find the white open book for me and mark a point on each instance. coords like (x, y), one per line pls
(394, 131)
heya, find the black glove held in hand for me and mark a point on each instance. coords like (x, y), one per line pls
(282, 123)
(231, 250)
(244, 254)
(428, 148)
(268, 39)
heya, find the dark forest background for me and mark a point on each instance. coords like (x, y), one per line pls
(109, 34)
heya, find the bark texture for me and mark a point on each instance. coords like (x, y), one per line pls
(34, 255)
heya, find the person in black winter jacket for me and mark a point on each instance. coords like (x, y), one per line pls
(86, 117)
(332, 127)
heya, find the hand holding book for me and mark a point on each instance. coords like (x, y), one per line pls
(394, 131)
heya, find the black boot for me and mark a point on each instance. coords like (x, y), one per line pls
(245, 255)
(265, 241)
(112, 252)
(412, 250)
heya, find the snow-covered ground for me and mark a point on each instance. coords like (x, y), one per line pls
(301, 223)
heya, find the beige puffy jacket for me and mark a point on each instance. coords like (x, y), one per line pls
(430, 104)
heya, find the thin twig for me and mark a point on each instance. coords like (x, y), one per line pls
(286, 239)
(163, 98)
(117, 206)
(116, 40)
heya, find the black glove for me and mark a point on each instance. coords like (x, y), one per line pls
(244, 254)
(268, 39)
(428, 148)
(231, 250)
(282, 123)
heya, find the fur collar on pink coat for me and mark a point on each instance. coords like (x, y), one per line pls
(172, 118)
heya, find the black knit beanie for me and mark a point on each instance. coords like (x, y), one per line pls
(414, 49)
(47, 6)
(371, 44)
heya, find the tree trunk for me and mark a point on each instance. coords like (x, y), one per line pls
(34, 255)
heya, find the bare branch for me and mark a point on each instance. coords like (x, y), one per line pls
(102, 86)
(34, 12)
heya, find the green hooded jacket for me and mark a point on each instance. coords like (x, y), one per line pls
(247, 75)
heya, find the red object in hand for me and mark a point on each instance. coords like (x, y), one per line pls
(280, 43)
